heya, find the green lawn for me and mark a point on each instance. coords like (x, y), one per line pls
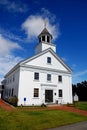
(36, 120)
(81, 105)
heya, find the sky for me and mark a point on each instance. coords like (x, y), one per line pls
(21, 21)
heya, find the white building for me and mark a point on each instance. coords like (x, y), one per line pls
(43, 78)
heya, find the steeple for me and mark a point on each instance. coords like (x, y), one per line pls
(45, 41)
(45, 36)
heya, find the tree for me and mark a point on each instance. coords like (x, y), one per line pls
(81, 90)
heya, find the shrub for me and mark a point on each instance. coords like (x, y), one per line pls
(43, 105)
(13, 100)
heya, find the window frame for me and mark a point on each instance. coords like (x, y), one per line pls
(48, 77)
(36, 93)
(60, 78)
(36, 76)
(48, 60)
(60, 93)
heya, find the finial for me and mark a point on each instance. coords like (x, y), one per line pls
(45, 22)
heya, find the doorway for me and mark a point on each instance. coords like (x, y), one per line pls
(49, 96)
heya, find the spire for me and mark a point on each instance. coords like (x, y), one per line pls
(45, 23)
(45, 31)
(45, 40)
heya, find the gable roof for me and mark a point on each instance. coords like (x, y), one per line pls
(36, 56)
(53, 53)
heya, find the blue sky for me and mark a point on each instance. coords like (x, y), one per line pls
(21, 21)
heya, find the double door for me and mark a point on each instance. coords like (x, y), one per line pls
(48, 96)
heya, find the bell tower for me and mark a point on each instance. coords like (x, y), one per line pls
(45, 41)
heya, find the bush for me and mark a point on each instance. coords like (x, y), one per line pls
(70, 105)
(43, 105)
(13, 100)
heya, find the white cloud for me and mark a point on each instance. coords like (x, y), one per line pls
(14, 6)
(80, 73)
(6, 46)
(7, 58)
(6, 63)
(34, 24)
(12, 36)
(78, 77)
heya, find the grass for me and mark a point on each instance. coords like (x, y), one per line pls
(81, 105)
(36, 120)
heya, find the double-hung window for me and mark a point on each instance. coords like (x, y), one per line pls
(36, 92)
(36, 76)
(60, 93)
(49, 60)
(60, 78)
(48, 77)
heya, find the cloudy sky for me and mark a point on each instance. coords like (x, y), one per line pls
(21, 21)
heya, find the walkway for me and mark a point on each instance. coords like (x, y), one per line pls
(5, 105)
(71, 109)
(76, 126)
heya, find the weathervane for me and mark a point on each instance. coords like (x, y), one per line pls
(45, 22)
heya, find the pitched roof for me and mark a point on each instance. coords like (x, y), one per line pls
(45, 51)
(45, 31)
(37, 55)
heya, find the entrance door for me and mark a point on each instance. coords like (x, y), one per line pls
(48, 95)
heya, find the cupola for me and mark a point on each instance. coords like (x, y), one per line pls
(45, 41)
(45, 36)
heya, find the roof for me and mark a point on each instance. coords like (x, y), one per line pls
(55, 55)
(45, 31)
(37, 55)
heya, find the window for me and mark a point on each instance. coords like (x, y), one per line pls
(10, 79)
(36, 76)
(13, 78)
(36, 92)
(49, 77)
(40, 39)
(48, 40)
(49, 60)
(43, 38)
(60, 93)
(60, 78)
(12, 92)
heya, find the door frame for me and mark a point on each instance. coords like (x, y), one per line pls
(50, 99)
